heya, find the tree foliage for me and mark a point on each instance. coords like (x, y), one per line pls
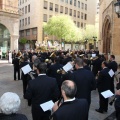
(89, 32)
(62, 27)
(23, 41)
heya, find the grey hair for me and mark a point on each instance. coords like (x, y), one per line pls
(70, 90)
(79, 62)
(9, 103)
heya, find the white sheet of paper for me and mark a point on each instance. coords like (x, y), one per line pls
(111, 73)
(107, 94)
(67, 67)
(47, 105)
(93, 55)
(26, 69)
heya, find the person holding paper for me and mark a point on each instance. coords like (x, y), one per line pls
(103, 84)
(71, 108)
(84, 80)
(41, 90)
(112, 65)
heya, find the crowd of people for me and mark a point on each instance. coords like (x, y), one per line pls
(71, 90)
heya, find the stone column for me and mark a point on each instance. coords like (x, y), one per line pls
(14, 43)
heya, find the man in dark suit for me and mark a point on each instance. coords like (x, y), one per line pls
(41, 90)
(16, 64)
(103, 84)
(52, 71)
(72, 108)
(112, 65)
(84, 80)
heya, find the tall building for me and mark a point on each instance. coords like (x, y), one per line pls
(9, 25)
(36, 12)
(109, 29)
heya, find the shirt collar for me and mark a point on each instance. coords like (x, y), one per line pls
(70, 100)
(41, 74)
(104, 67)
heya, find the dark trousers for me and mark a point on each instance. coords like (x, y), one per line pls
(15, 72)
(24, 85)
(103, 103)
(38, 114)
(112, 85)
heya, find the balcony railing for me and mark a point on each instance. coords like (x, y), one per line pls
(10, 9)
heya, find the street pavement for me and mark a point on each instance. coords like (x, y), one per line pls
(7, 84)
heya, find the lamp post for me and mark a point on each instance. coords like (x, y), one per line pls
(94, 42)
(117, 8)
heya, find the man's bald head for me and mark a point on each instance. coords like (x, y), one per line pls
(33, 58)
(70, 88)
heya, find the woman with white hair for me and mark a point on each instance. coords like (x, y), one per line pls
(9, 105)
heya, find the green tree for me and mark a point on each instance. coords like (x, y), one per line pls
(62, 27)
(89, 32)
(23, 40)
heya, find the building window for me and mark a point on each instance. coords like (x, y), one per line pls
(66, 1)
(78, 24)
(34, 31)
(61, 9)
(81, 25)
(62, 0)
(82, 5)
(78, 14)
(85, 6)
(66, 10)
(28, 8)
(22, 33)
(78, 4)
(70, 2)
(56, 8)
(51, 6)
(25, 21)
(25, 9)
(74, 2)
(81, 15)
(22, 22)
(84, 25)
(85, 16)
(74, 13)
(28, 20)
(45, 4)
(28, 32)
(70, 12)
(22, 10)
(75, 22)
(45, 18)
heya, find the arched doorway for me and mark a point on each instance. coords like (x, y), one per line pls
(107, 36)
(4, 39)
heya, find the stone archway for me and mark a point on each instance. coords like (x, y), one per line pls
(107, 35)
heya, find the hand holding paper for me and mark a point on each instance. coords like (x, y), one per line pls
(107, 94)
(26, 69)
(111, 73)
(67, 67)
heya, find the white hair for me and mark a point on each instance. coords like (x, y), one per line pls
(9, 103)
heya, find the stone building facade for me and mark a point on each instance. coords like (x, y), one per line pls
(9, 25)
(109, 42)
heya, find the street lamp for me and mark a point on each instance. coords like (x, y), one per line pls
(94, 42)
(117, 8)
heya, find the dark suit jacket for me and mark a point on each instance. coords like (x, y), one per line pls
(104, 80)
(66, 60)
(52, 72)
(87, 67)
(85, 82)
(113, 65)
(74, 110)
(15, 62)
(41, 90)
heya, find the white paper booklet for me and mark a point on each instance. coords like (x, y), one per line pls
(67, 67)
(107, 94)
(111, 73)
(26, 69)
(47, 105)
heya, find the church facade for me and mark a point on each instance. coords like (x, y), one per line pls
(9, 25)
(109, 28)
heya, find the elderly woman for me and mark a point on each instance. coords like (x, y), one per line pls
(9, 105)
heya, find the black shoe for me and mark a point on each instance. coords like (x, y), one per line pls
(98, 110)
